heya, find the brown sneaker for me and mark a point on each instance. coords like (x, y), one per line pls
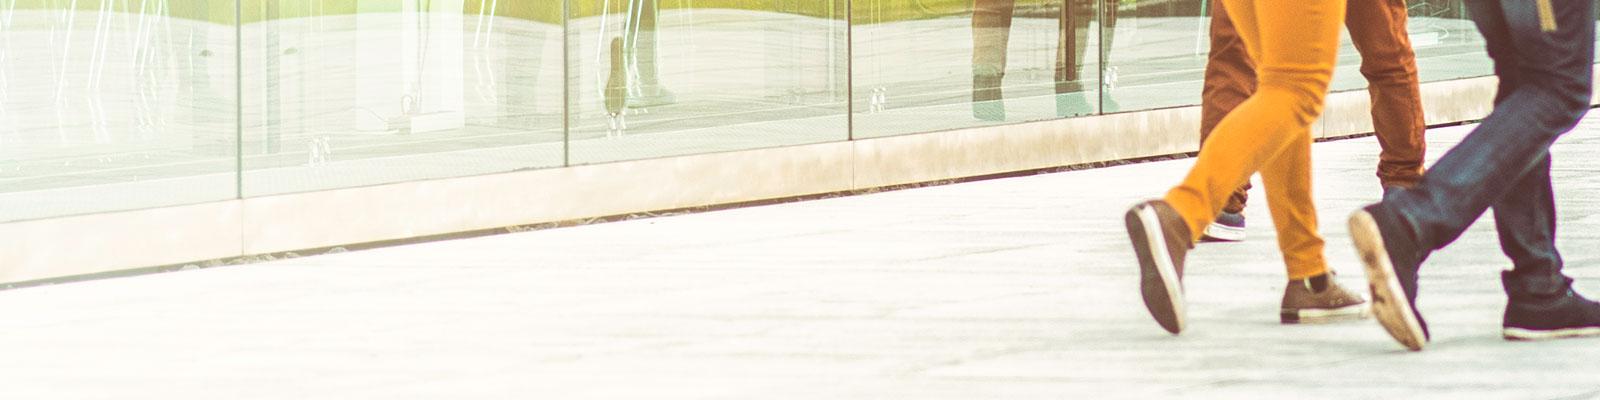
(1160, 240)
(1320, 299)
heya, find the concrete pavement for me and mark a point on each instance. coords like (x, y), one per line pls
(1007, 288)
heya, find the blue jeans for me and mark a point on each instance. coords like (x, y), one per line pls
(1544, 59)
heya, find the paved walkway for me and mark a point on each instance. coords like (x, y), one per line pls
(1007, 288)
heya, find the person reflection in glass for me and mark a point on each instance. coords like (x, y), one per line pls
(205, 103)
(991, 31)
(639, 49)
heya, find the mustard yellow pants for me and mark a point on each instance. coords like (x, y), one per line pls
(1294, 44)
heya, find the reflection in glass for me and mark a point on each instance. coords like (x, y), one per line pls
(113, 105)
(923, 67)
(1160, 58)
(1446, 43)
(634, 79)
(639, 49)
(654, 78)
(991, 30)
(340, 94)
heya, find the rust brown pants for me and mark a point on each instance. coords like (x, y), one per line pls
(1378, 30)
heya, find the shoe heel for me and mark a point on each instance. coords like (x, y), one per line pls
(1389, 305)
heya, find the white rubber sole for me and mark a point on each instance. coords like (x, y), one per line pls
(1527, 334)
(1389, 303)
(1223, 233)
(1316, 316)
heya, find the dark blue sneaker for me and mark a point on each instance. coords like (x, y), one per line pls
(1392, 259)
(1228, 227)
(1546, 307)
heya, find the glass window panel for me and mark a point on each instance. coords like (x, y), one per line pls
(115, 105)
(112, 105)
(653, 78)
(928, 65)
(1447, 44)
(361, 92)
(1157, 54)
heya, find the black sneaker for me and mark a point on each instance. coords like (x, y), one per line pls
(1547, 308)
(1228, 227)
(1160, 240)
(1391, 259)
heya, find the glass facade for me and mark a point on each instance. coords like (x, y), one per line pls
(116, 105)
(654, 78)
(124, 104)
(923, 66)
(351, 93)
